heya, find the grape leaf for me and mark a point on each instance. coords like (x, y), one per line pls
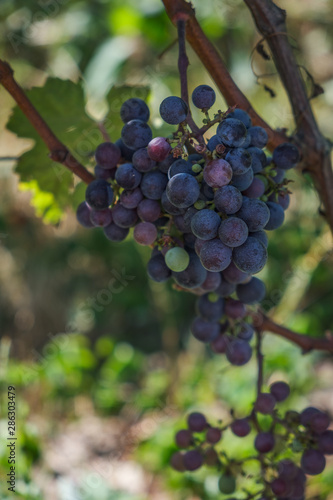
(61, 103)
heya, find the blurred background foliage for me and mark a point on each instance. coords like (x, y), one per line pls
(101, 357)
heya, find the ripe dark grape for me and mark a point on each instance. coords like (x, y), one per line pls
(232, 132)
(313, 462)
(126, 152)
(264, 442)
(104, 173)
(241, 427)
(235, 309)
(259, 159)
(83, 215)
(145, 233)
(99, 194)
(213, 435)
(131, 199)
(280, 391)
(276, 217)
(325, 442)
(259, 137)
(241, 115)
(193, 276)
(279, 486)
(319, 422)
(286, 156)
(133, 109)
(211, 282)
(107, 155)
(173, 110)
(228, 199)
(205, 224)
(255, 213)
(217, 173)
(251, 292)
(203, 330)
(196, 422)
(149, 210)
(261, 236)
(184, 438)
(136, 134)
(158, 148)
(211, 457)
(283, 199)
(180, 167)
(233, 232)
(307, 414)
(220, 344)
(169, 207)
(124, 217)
(240, 160)
(213, 142)
(209, 310)
(215, 256)
(246, 332)
(183, 190)
(127, 176)
(265, 403)
(203, 97)
(193, 460)
(256, 190)
(153, 184)
(242, 182)
(225, 289)
(115, 233)
(142, 161)
(250, 257)
(177, 462)
(157, 269)
(239, 352)
(287, 469)
(101, 218)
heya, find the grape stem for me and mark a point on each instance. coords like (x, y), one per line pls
(260, 361)
(58, 151)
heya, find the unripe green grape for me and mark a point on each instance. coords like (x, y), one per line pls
(227, 484)
(177, 259)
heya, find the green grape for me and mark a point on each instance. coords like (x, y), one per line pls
(227, 484)
(177, 259)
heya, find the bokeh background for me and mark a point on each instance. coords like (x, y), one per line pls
(103, 364)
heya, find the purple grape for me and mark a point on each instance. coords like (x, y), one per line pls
(265, 403)
(136, 134)
(246, 332)
(307, 415)
(250, 257)
(286, 156)
(177, 462)
(203, 97)
(313, 462)
(213, 435)
(241, 115)
(280, 391)
(169, 207)
(104, 173)
(101, 218)
(215, 256)
(180, 167)
(242, 182)
(142, 162)
(233, 232)
(131, 199)
(184, 438)
(158, 148)
(287, 469)
(193, 276)
(149, 210)
(259, 137)
(264, 442)
(211, 457)
(283, 199)
(99, 194)
(205, 224)
(83, 215)
(211, 282)
(193, 460)
(232, 132)
(279, 486)
(153, 184)
(225, 289)
(261, 236)
(240, 160)
(124, 217)
(228, 199)
(241, 427)
(256, 190)
(239, 352)
(235, 309)
(126, 153)
(280, 174)
(134, 108)
(115, 233)
(164, 165)
(325, 442)
(196, 422)
(254, 213)
(173, 110)
(205, 331)
(217, 173)
(183, 190)
(209, 310)
(127, 176)
(252, 292)
(276, 217)
(220, 344)
(319, 422)
(145, 233)
(107, 155)
(157, 269)
(213, 142)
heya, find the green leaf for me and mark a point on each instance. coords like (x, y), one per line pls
(62, 105)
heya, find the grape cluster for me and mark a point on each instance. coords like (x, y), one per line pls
(203, 208)
(306, 434)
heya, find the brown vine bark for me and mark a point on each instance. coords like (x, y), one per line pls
(271, 23)
(58, 151)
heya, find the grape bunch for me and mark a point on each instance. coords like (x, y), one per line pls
(202, 206)
(282, 475)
